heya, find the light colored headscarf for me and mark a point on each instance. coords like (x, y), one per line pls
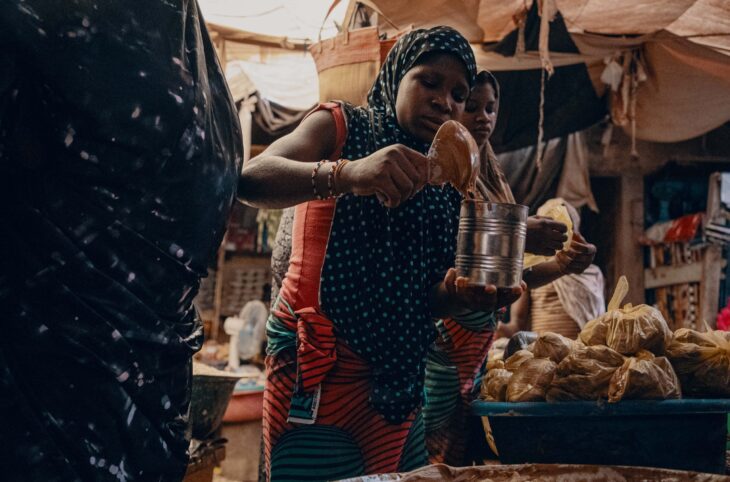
(492, 182)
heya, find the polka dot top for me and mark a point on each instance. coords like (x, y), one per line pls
(381, 263)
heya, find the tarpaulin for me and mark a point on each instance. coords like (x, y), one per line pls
(571, 102)
(119, 154)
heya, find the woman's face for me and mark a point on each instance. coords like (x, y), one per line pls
(431, 93)
(480, 112)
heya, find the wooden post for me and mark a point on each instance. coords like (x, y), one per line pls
(710, 285)
(712, 260)
(629, 260)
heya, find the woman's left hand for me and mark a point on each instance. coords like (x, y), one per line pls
(479, 298)
(577, 257)
(545, 236)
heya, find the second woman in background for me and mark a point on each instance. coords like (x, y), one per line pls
(457, 359)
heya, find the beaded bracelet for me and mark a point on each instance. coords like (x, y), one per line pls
(336, 173)
(317, 195)
(330, 179)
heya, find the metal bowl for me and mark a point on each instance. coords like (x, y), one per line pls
(209, 400)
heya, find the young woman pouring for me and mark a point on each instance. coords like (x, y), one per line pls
(368, 275)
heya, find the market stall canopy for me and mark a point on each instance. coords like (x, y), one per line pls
(706, 22)
(264, 44)
(660, 62)
(290, 24)
(263, 48)
(665, 61)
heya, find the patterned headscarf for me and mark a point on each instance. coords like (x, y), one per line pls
(381, 263)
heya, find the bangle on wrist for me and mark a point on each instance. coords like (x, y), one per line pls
(336, 189)
(317, 195)
(331, 180)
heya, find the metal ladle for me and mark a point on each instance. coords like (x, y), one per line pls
(454, 158)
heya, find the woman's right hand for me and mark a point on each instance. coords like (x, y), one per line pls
(394, 174)
(479, 298)
(545, 236)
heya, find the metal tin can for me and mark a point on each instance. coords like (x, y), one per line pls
(491, 243)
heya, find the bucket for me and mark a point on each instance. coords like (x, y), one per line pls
(211, 392)
(491, 243)
(247, 402)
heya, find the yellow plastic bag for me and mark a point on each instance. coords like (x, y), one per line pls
(553, 209)
(595, 331)
(531, 381)
(553, 346)
(494, 385)
(513, 363)
(629, 329)
(644, 377)
(635, 328)
(494, 364)
(585, 374)
(702, 361)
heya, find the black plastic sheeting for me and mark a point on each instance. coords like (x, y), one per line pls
(571, 102)
(119, 153)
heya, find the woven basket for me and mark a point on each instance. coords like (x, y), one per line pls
(348, 64)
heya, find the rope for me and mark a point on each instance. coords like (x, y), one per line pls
(540, 130)
(548, 10)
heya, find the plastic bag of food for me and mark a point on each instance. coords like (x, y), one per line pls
(531, 380)
(496, 351)
(644, 355)
(494, 364)
(585, 374)
(519, 341)
(494, 385)
(635, 328)
(553, 346)
(594, 332)
(707, 338)
(553, 209)
(702, 361)
(513, 363)
(644, 377)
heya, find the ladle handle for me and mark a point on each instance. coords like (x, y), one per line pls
(482, 188)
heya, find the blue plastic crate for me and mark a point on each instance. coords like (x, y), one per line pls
(674, 434)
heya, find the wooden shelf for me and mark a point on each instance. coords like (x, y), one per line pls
(705, 274)
(672, 275)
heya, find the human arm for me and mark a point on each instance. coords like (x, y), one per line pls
(281, 176)
(574, 260)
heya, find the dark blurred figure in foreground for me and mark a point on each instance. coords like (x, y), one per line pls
(119, 149)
